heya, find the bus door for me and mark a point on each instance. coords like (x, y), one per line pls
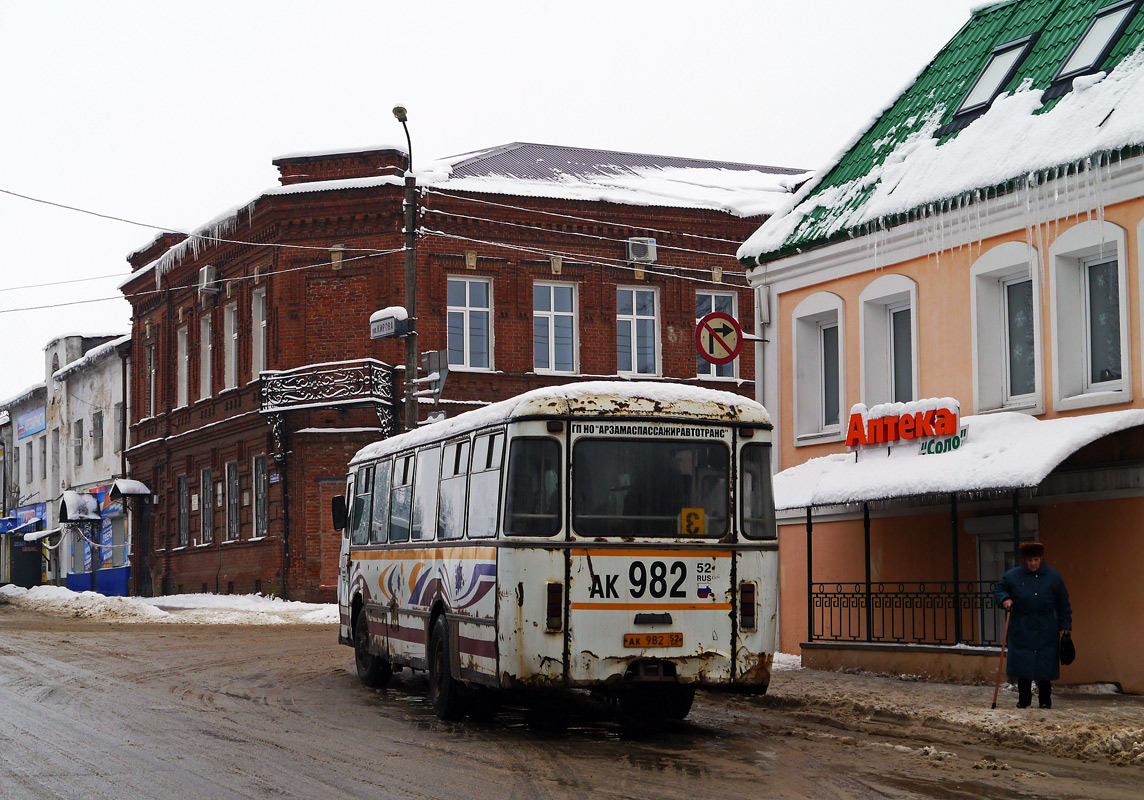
(531, 564)
(650, 594)
(344, 632)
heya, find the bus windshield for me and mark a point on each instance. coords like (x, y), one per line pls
(625, 487)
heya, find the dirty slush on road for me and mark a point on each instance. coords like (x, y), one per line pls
(295, 719)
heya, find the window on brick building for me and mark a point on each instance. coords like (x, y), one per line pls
(470, 323)
(151, 375)
(230, 346)
(637, 331)
(260, 499)
(182, 366)
(184, 510)
(231, 501)
(554, 341)
(205, 352)
(206, 506)
(708, 303)
(257, 333)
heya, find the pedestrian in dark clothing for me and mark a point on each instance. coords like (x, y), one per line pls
(1038, 603)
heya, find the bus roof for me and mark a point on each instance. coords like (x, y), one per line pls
(588, 398)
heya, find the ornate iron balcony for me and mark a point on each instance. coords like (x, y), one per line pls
(362, 382)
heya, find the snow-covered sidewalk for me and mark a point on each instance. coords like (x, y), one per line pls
(201, 609)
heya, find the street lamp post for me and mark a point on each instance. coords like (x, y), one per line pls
(410, 276)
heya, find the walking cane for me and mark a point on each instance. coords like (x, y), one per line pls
(1001, 660)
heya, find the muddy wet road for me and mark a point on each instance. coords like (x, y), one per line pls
(96, 710)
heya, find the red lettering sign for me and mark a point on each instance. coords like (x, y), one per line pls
(888, 428)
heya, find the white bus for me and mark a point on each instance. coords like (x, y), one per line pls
(615, 536)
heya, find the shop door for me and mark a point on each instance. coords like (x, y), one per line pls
(27, 566)
(996, 556)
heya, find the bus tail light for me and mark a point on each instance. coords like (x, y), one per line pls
(748, 620)
(555, 607)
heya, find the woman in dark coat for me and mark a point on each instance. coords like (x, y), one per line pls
(1038, 604)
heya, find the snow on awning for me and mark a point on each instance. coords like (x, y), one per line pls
(35, 536)
(125, 487)
(1003, 451)
(26, 525)
(76, 506)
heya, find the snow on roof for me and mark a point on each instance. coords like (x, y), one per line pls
(637, 398)
(24, 395)
(345, 151)
(1002, 451)
(92, 356)
(550, 171)
(1018, 139)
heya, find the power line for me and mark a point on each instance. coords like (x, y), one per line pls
(583, 259)
(580, 219)
(148, 292)
(576, 233)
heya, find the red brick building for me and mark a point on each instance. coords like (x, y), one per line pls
(256, 379)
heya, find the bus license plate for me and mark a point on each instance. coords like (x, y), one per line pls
(653, 640)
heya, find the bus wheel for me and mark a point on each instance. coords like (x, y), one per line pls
(444, 692)
(372, 670)
(677, 703)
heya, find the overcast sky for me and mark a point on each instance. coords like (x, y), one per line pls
(170, 113)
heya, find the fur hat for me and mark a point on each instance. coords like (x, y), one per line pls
(1032, 550)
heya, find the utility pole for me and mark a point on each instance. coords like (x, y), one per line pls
(411, 359)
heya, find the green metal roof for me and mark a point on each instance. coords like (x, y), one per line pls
(943, 84)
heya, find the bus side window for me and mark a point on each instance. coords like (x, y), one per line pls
(758, 504)
(363, 494)
(380, 521)
(532, 504)
(454, 483)
(425, 484)
(484, 485)
(399, 499)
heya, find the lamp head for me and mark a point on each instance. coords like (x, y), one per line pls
(400, 113)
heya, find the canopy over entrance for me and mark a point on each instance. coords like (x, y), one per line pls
(76, 506)
(1000, 453)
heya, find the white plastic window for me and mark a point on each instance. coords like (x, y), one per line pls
(470, 323)
(637, 331)
(707, 303)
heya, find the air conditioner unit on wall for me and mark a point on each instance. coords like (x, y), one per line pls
(208, 279)
(641, 249)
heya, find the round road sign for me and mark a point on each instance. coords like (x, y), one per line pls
(719, 338)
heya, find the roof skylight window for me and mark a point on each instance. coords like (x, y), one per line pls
(997, 73)
(1103, 32)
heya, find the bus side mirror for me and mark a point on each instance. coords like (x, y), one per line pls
(338, 507)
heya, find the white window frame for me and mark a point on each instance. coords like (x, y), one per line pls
(206, 505)
(631, 320)
(465, 311)
(878, 301)
(703, 368)
(206, 356)
(1069, 257)
(151, 380)
(989, 276)
(77, 443)
(261, 510)
(821, 309)
(257, 333)
(183, 366)
(233, 509)
(550, 319)
(230, 346)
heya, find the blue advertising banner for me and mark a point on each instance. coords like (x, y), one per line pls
(105, 539)
(31, 422)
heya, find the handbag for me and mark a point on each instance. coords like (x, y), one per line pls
(1067, 650)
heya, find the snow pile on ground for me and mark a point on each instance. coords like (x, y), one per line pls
(203, 609)
(786, 661)
(1091, 722)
